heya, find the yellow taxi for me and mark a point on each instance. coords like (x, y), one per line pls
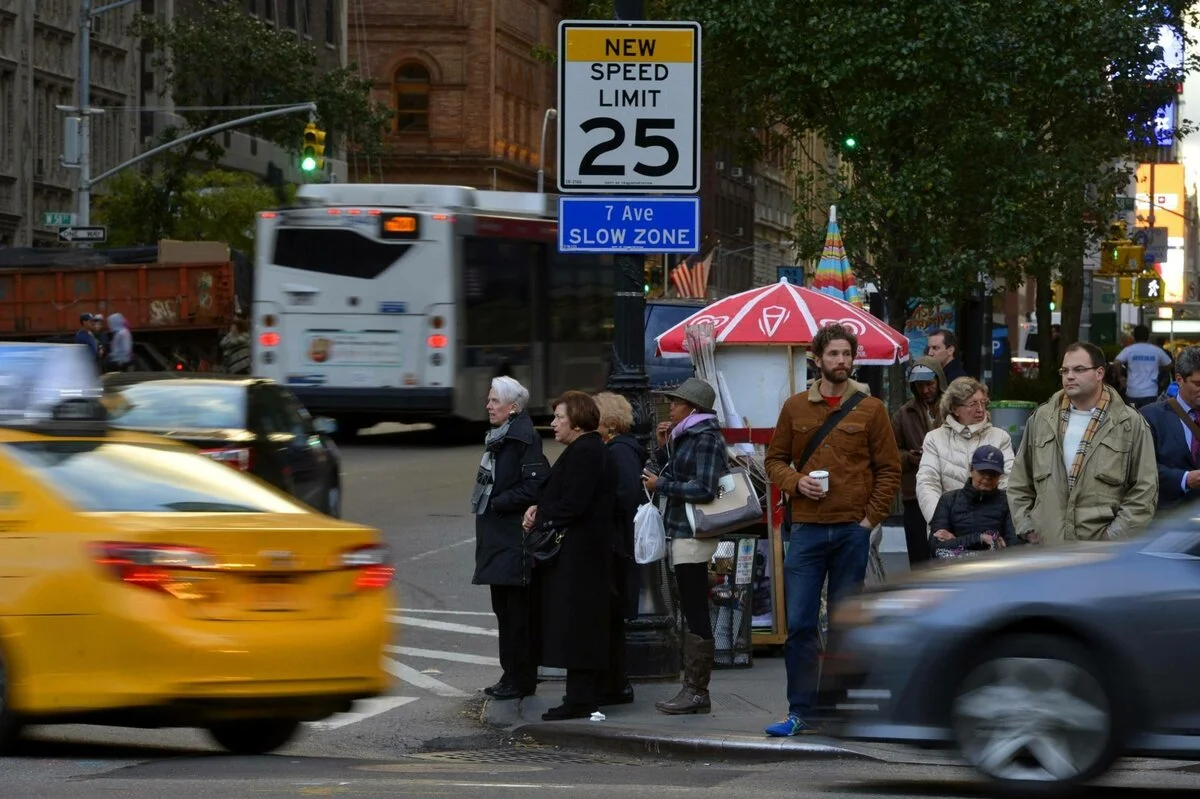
(144, 585)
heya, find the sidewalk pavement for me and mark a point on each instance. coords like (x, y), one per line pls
(744, 701)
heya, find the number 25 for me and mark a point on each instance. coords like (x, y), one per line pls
(642, 138)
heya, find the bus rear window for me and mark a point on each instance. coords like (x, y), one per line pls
(118, 477)
(336, 251)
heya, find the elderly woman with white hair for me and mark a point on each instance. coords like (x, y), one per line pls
(510, 474)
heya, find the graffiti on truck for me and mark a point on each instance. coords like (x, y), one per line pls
(163, 312)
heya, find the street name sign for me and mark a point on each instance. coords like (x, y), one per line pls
(58, 218)
(1154, 239)
(97, 233)
(794, 274)
(629, 107)
(629, 224)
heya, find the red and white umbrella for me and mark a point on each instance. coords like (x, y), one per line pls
(784, 314)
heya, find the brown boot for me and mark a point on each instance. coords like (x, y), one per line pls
(697, 670)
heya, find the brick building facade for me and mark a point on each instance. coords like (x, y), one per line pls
(468, 89)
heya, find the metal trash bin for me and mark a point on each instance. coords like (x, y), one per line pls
(1011, 415)
(730, 602)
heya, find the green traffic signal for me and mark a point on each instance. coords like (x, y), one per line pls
(850, 143)
(308, 164)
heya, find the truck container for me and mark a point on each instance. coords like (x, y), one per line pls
(179, 298)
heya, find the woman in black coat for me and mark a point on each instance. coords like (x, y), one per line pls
(629, 458)
(578, 499)
(511, 473)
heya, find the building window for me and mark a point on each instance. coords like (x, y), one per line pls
(290, 14)
(410, 91)
(330, 28)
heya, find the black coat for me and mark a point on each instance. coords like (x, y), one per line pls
(969, 514)
(580, 498)
(629, 457)
(520, 470)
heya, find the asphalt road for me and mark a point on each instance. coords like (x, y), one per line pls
(425, 739)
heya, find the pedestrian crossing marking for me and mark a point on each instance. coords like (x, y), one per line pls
(415, 678)
(444, 626)
(435, 654)
(363, 710)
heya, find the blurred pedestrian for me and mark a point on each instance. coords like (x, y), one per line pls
(578, 500)
(974, 518)
(1175, 426)
(911, 423)
(687, 466)
(510, 475)
(943, 345)
(1142, 363)
(120, 357)
(1086, 468)
(628, 456)
(86, 336)
(834, 455)
(946, 462)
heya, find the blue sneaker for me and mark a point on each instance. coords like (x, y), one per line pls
(792, 725)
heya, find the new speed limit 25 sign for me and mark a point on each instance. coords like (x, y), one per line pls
(629, 107)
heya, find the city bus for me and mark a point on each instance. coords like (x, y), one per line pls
(377, 302)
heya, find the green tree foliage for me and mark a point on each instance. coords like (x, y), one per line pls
(214, 206)
(218, 62)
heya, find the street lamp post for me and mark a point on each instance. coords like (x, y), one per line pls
(551, 113)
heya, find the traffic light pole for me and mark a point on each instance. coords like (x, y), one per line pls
(85, 185)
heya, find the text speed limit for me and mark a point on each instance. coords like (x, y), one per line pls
(628, 107)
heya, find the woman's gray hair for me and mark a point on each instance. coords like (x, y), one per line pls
(957, 394)
(1187, 362)
(510, 392)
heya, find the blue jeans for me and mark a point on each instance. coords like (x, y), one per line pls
(840, 551)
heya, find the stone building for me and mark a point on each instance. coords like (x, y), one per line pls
(39, 69)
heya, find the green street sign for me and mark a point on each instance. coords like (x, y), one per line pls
(58, 219)
(1125, 204)
(1108, 298)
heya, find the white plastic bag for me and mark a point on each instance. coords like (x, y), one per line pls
(649, 535)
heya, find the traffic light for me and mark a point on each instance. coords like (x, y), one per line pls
(1114, 258)
(1131, 259)
(850, 142)
(312, 156)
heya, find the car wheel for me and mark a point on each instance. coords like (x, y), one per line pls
(254, 736)
(10, 727)
(333, 501)
(1036, 714)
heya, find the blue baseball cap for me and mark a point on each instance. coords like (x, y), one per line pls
(988, 459)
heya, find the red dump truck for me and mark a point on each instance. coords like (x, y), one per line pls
(179, 297)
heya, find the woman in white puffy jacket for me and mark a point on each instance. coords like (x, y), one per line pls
(946, 453)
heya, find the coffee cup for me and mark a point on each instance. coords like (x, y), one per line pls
(822, 477)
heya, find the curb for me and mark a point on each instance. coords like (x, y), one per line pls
(720, 746)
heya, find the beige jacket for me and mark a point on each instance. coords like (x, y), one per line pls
(1116, 492)
(946, 459)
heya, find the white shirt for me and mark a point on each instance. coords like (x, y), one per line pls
(1143, 361)
(1076, 427)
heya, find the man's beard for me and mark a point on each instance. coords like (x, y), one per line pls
(835, 377)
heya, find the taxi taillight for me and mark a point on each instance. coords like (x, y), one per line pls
(373, 564)
(157, 567)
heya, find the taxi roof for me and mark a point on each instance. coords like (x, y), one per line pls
(14, 435)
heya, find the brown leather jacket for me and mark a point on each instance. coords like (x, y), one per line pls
(860, 455)
(910, 425)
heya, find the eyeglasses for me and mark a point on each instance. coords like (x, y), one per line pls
(1077, 370)
(977, 405)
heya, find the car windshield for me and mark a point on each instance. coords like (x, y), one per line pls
(124, 477)
(172, 404)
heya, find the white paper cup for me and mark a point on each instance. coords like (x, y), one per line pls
(822, 477)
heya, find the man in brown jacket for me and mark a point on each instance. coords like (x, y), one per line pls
(831, 527)
(914, 419)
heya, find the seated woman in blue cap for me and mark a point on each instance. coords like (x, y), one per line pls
(974, 518)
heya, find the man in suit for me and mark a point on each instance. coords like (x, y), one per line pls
(1176, 448)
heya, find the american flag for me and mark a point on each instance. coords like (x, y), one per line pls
(692, 281)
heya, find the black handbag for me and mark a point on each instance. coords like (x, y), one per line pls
(543, 545)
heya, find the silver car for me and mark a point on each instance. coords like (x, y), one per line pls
(1041, 666)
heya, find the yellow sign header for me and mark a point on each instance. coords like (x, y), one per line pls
(630, 44)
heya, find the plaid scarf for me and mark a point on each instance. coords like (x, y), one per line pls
(1099, 414)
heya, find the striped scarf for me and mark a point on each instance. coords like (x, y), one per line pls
(1099, 414)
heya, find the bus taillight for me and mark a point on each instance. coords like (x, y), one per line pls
(269, 339)
(437, 341)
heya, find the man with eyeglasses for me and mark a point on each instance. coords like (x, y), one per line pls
(1086, 468)
(1174, 425)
